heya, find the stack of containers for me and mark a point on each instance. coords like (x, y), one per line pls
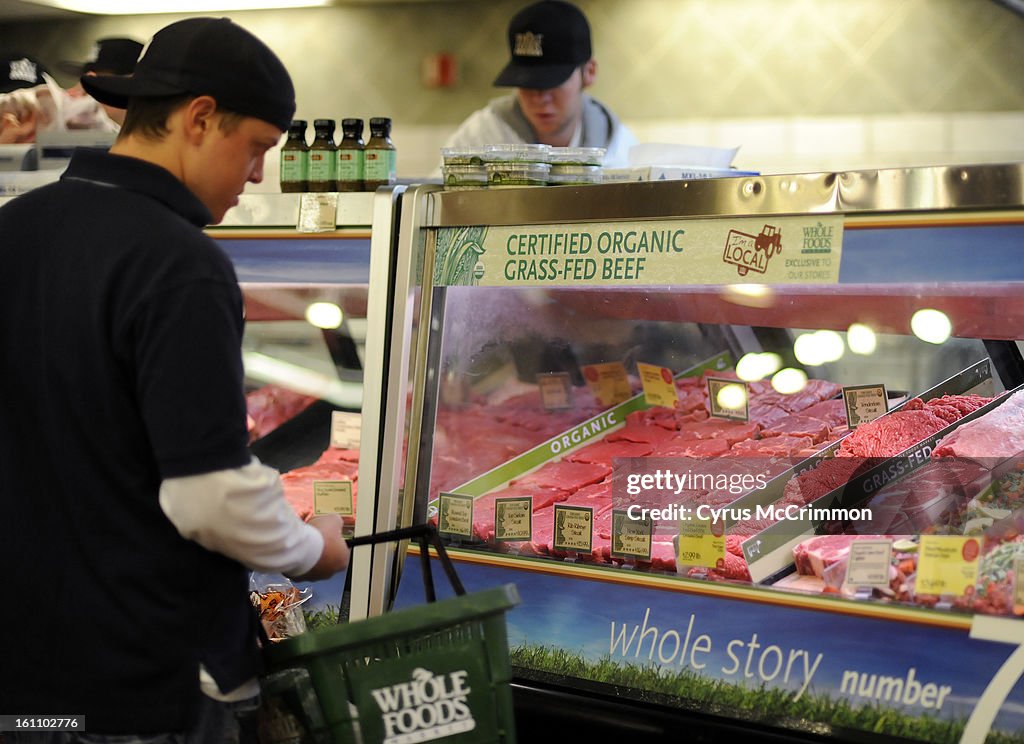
(503, 166)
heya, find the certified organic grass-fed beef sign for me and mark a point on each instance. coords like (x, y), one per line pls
(772, 250)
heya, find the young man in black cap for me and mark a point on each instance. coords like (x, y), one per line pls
(551, 65)
(130, 505)
(112, 56)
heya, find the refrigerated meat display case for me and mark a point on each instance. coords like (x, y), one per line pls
(746, 446)
(316, 279)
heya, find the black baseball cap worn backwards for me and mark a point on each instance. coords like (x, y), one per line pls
(548, 41)
(206, 57)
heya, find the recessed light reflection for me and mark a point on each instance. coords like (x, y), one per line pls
(931, 325)
(324, 315)
(861, 339)
(754, 366)
(748, 295)
(789, 380)
(732, 397)
(820, 347)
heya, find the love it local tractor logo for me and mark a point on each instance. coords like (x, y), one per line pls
(427, 707)
(752, 252)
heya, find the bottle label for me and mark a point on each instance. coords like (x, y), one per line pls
(380, 165)
(322, 166)
(350, 165)
(294, 166)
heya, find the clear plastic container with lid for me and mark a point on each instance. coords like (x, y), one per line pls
(577, 156)
(517, 154)
(517, 173)
(464, 155)
(576, 165)
(463, 167)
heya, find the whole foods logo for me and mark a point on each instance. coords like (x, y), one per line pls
(752, 252)
(427, 707)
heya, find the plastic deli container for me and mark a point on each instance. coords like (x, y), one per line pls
(564, 174)
(511, 173)
(463, 155)
(577, 156)
(517, 154)
(464, 176)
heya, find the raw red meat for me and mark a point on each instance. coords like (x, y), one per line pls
(603, 452)
(298, 482)
(833, 411)
(272, 405)
(680, 447)
(729, 431)
(567, 476)
(815, 483)
(892, 433)
(814, 555)
(639, 433)
(799, 425)
(780, 446)
(995, 436)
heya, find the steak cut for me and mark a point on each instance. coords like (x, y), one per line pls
(997, 435)
(892, 433)
(565, 476)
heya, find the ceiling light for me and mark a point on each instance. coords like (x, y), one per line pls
(138, 7)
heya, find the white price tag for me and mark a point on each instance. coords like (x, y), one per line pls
(345, 429)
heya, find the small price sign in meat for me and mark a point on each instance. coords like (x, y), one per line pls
(701, 543)
(555, 390)
(512, 519)
(608, 382)
(729, 399)
(659, 386)
(864, 403)
(947, 565)
(631, 538)
(455, 515)
(574, 529)
(333, 497)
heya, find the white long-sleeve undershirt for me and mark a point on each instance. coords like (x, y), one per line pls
(242, 513)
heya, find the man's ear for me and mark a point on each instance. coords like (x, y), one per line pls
(589, 72)
(198, 118)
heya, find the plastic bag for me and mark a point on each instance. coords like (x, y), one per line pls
(279, 603)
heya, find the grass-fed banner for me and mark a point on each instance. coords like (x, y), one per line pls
(769, 250)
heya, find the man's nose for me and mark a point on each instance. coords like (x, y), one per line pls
(256, 176)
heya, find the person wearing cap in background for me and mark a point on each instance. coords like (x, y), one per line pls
(131, 509)
(41, 105)
(552, 63)
(20, 113)
(113, 56)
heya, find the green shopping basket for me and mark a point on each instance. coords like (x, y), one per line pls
(435, 672)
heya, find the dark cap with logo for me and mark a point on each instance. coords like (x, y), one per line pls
(548, 41)
(19, 71)
(206, 57)
(113, 56)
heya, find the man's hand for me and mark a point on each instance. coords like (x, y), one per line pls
(335, 555)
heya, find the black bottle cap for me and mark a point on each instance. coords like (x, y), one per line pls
(352, 126)
(323, 124)
(380, 124)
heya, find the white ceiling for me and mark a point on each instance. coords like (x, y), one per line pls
(15, 10)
